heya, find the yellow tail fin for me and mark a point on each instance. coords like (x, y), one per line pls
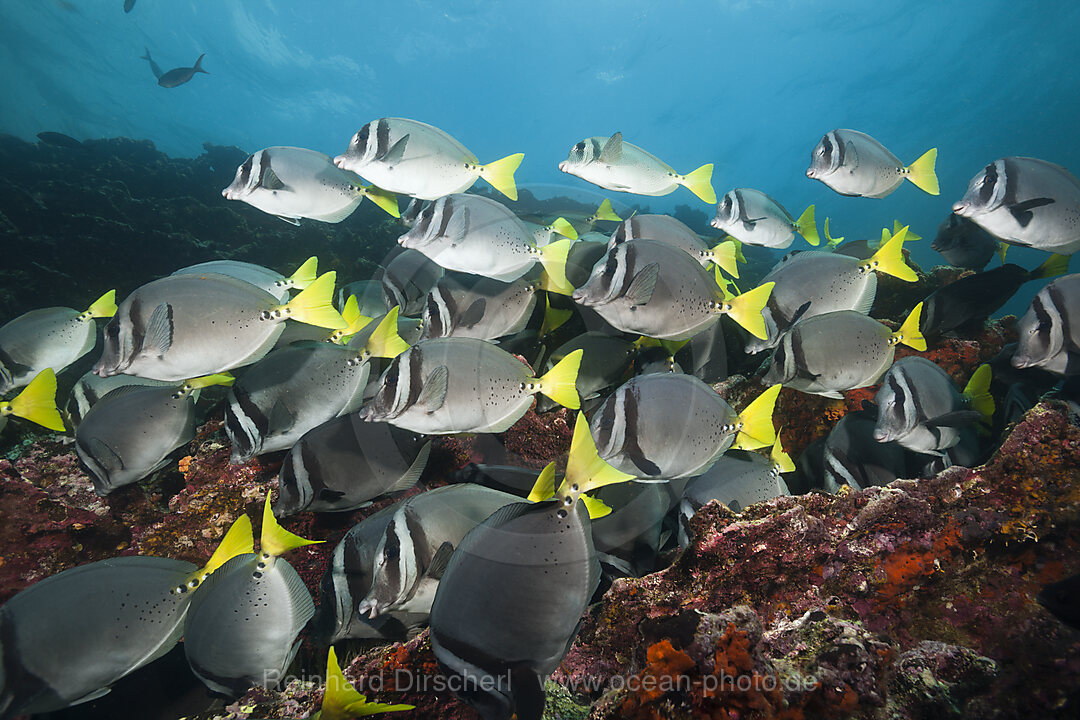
(977, 392)
(560, 382)
(314, 305)
(209, 380)
(746, 309)
(553, 318)
(553, 258)
(806, 226)
(738, 248)
(832, 242)
(501, 174)
(384, 199)
(564, 228)
(596, 507)
(605, 212)
(921, 172)
(276, 540)
(37, 402)
(341, 701)
(699, 182)
(780, 459)
(911, 237)
(757, 429)
(1003, 248)
(305, 274)
(237, 541)
(355, 321)
(1052, 267)
(889, 258)
(585, 469)
(544, 487)
(385, 341)
(909, 333)
(103, 307)
(725, 255)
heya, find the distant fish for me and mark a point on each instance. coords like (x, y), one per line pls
(58, 139)
(853, 163)
(154, 67)
(180, 75)
(757, 219)
(614, 164)
(269, 280)
(964, 244)
(1026, 201)
(1049, 336)
(129, 5)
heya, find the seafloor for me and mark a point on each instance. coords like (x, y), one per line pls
(915, 600)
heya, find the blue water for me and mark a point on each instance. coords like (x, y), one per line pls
(750, 86)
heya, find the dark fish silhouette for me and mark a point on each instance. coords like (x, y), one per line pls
(1063, 600)
(179, 76)
(129, 5)
(154, 67)
(58, 139)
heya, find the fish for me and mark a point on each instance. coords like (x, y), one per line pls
(1026, 201)
(109, 617)
(36, 403)
(477, 235)
(186, 326)
(737, 480)
(582, 258)
(181, 75)
(513, 593)
(806, 284)
(345, 463)
(853, 163)
(242, 626)
(407, 279)
(853, 457)
(58, 139)
(416, 159)
(154, 68)
(418, 542)
(129, 5)
(292, 183)
(629, 538)
(508, 478)
(614, 164)
(90, 388)
(971, 299)
(544, 233)
(651, 288)
(920, 409)
(269, 280)
(52, 337)
(299, 387)
(668, 426)
(1061, 600)
(964, 244)
(370, 301)
(755, 218)
(455, 385)
(478, 307)
(129, 433)
(606, 362)
(838, 351)
(1048, 336)
(341, 701)
(666, 229)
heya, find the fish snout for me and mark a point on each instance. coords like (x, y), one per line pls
(562, 166)
(882, 435)
(340, 161)
(811, 173)
(715, 222)
(960, 209)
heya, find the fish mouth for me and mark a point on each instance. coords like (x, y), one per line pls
(1021, 361)
(715, 222)
(340, 161)
(882, 435)
(562, 166)
(811, 173)
(960, 209)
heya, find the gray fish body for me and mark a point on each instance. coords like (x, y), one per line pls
(663, 426)
(508, 478)
(452, 385)
(485, 309)
(345, 463)
(242, 626)
(828, 354)
(181, 75)
(651, 288)
(410, 157)
(853, 457)
(473, 234)
(827, 281)
(1026, 201)
(46, 338)
(154, 68)
(370, 299)
(289, 392)
(737, 481)
(914, 392)
(964, 244)
(754, 218)
(853, 163)
(634, 171)
(661, 228)
(581, 259)
(187, 326)
(1049, 333)
(67, 638)
(407, 280)
(294, 183)
(505, 643)
(605, 362)
(347, 580)
(632, 530)
(269, 280)
(130, 433)
(90, 388)
(412, 553)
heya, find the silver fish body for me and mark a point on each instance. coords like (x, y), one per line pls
(67, 638)
(661, 228)
(484, 309)
(853, 163)
(46, 338)
(754, 218)
(964, 244)
(914, 393)
(853, 457)
(737, 480)
(615, 164)
(90, 388)
(407, 279)
(241, 629)
(1049, 336)
(269, 280)
(1026, 201)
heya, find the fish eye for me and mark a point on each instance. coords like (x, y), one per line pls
(580, 147)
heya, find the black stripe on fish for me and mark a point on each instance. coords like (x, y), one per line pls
(433, 325)
(1061, 304)
(362, 139)
(447, 212)
(382, 138)
(245, 170)
(798, 353)
(990, 180)
(1022, 211)
(1045, 321)
(629, 267)
(841, 152)
(252, 411)
(607, 423)
(416, 382)
(630, 444)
